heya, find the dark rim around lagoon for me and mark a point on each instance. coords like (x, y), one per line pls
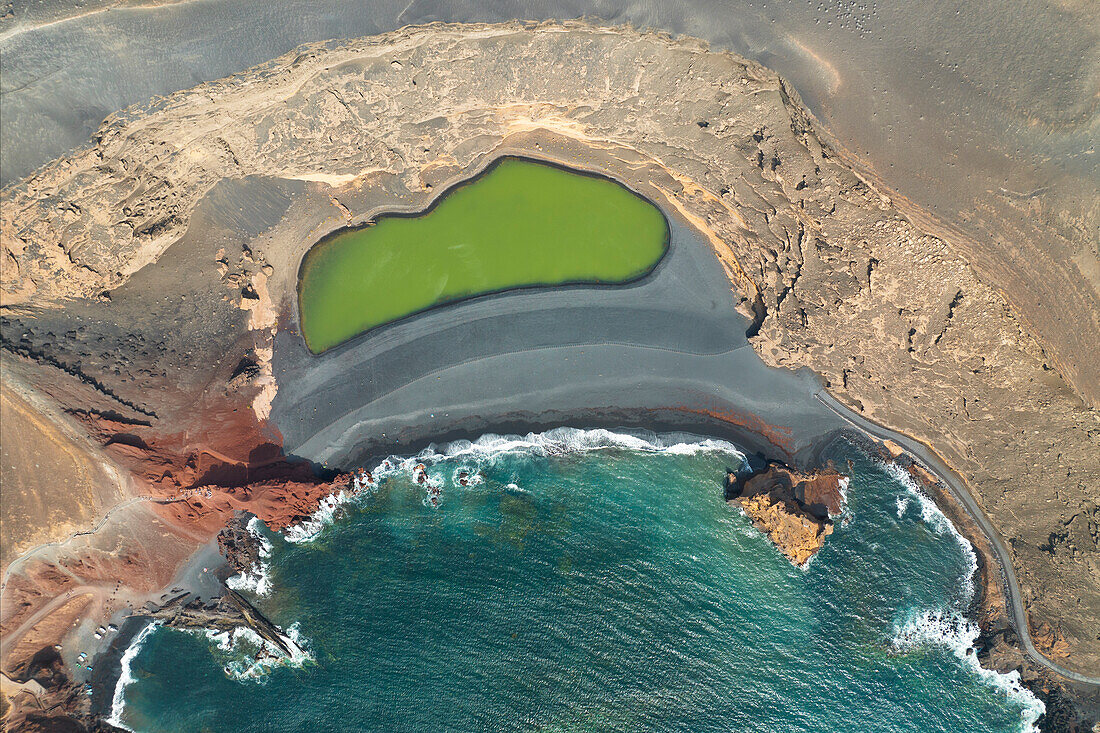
(440, 198)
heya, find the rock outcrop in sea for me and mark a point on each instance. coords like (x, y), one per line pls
(238, 545)
(833, 276)
(793, 509)
(228, 613)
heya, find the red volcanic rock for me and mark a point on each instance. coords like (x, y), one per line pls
(819, 492)
(797, 534)
(216, 461)
(226, 462)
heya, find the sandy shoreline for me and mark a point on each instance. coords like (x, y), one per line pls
(562, 353)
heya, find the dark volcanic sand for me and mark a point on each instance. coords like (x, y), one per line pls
(536, 359)
(981, 113)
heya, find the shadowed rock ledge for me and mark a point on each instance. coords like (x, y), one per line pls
(793, 509)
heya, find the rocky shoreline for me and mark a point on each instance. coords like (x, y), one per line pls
(219, 414)
(794, 509)
(230, 612)
(1070, 706)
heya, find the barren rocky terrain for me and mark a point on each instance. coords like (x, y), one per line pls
(123, 309)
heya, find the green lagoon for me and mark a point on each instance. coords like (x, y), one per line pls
(521, 224)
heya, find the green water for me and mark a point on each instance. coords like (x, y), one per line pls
(521, 224)
(588, 582)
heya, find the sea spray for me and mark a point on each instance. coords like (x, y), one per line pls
(902, 504)
(246, 656)
(496, 603)
(126, 677)
(491, 447)
(258, 579)
(938, 521)
(950, 629)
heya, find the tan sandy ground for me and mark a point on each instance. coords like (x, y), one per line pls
(52, 486)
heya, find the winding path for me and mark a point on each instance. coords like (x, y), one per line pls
(959, 490)
(80, 533)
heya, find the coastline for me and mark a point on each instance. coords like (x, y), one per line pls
(1005, 643)
(986, 609)
(954, 499)
(562, 355)
(997, 606)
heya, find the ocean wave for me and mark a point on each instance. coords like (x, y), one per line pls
(903, 505)
(126, 677)
(842, 485)
(257, 580)
(309, 529)
(952, 630)
(938, 521)
(246, 656)
(576, 440)
(489, 448)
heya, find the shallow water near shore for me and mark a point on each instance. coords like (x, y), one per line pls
(586, 580)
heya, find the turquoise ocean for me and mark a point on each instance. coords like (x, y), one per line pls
(589, 581)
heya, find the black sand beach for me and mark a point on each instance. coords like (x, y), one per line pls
(524, 360)
(982, 158)
(669, 352)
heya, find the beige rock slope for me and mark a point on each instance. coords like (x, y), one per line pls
(895, 320)
(52, 484)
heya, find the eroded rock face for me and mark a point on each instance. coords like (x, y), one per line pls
(231, 611)
(793, 509)
(238, 545)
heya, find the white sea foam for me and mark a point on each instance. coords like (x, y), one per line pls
(257, 580)
(842, 485)
(939, 523)
(952, 630)
(903, 505)
(125, 676)
(311, 528)
(575, 440)
(490, 447)
(250, 657)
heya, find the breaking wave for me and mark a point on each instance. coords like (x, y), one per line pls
(125, 677)
(953, 631)
(246, 656)
(257, 580)
(488, 449)
(950, 629)
(309, 529)
(243, 653)
(575, 440)
(937, 521)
